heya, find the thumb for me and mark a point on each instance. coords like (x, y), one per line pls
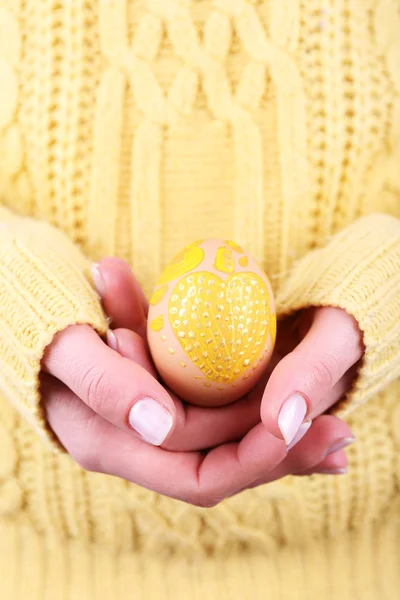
(307, 381)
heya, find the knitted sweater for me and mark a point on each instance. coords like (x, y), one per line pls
(131, 128)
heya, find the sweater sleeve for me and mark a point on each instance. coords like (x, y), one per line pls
(359, 271)
(44, 288)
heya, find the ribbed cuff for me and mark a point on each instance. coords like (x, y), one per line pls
(43, 290)
(359, 271)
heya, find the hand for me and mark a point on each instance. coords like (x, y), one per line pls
(319, 350)
(89, 390)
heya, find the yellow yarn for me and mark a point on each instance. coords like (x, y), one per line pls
(135, 127)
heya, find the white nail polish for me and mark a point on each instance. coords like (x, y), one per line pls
(300, 434)
(150, 420)
(291, 417)
(340, 444)
(338, 471)
(98, 279)
(112, 340)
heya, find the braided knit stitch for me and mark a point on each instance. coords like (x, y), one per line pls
(130, 128)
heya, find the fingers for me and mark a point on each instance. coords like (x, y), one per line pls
(196, 427)
(119, 390)
(306, 377)
(131, 345)
(337, 392)
(126, 393)
(327, 435)
(325, 439)
(335, 464)
(123, 299)
(68, 417)
(199, 428)
(198, 478)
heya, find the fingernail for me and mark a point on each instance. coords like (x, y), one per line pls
(98, 279)
(300, 434)
(340, 444)
(112, 340)
(338, 471)
(150, 420)
(291, 417)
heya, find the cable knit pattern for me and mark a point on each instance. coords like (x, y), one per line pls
(14, 183)
(132, 127)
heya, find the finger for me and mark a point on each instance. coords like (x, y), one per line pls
(336, 393)
(195, 477)
(305, 377)
(110, 263)
(68, 417)
(196, 427)
(119, 390)
(114, 388)
(336, 464)
(204, 427)
(123, 299)
(327, 435)
(131, 345)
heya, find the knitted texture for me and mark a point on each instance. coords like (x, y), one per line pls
(43, 291)
(359, 272)
(131, 128)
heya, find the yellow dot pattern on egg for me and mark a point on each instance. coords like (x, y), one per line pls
(243, 261)
(158, 323)
(224, 260)
(158, 295)
(186, 260)
(234, 246)
(223, 349)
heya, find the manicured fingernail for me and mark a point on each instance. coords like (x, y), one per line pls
(300, 434)
(150, 420)
(112, 340)
(291, 417)
(98, 279)
(338, 471)
(340, 444)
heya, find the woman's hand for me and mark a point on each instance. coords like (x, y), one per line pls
(95, 399)
(316, 360)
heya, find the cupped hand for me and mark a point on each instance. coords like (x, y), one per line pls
(316, 361)
(102, 403)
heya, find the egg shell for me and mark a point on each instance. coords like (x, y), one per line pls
(212, 323)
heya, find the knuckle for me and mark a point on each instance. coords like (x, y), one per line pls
(97, 390)
(323, 373)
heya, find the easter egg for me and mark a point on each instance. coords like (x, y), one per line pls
(212, 323)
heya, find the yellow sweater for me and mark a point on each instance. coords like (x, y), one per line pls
(130, 128)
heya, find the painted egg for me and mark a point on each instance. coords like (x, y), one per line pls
(212, 323)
